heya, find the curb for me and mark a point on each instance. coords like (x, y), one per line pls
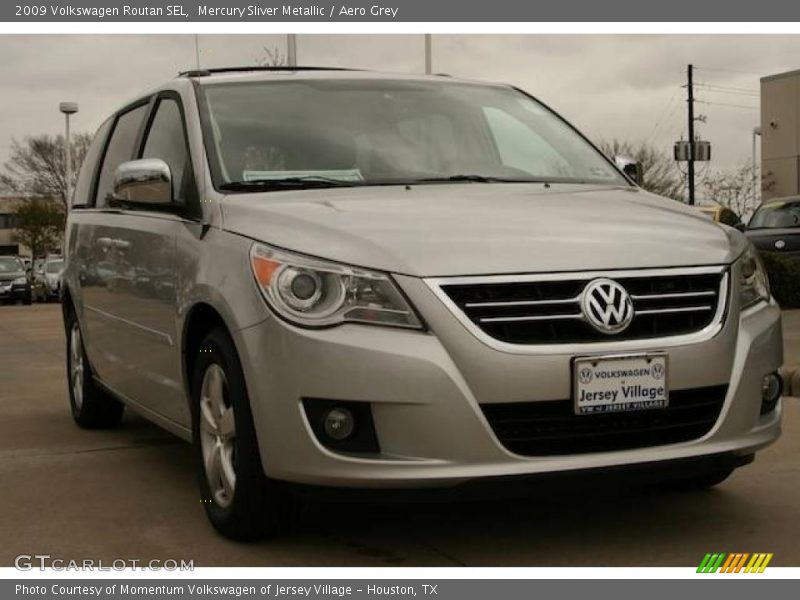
(791, 381)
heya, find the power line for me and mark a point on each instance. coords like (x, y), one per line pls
(722, 70)
(720, 89)
(664, 115)
(727, 104)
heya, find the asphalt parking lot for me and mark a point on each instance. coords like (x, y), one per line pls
(130, 493)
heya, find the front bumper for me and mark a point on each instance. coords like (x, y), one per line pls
(14, 293)
(425, 389)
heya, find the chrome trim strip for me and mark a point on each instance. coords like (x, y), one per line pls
(435, 285)
(674, 295)
(574, 300)
(158, 335)
(530, 318)
(664, 311)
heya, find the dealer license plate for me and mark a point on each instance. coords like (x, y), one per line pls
(605, 384)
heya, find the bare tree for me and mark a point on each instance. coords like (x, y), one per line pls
(271, 57)
(734, 189)
(659, 172)
(37, 166)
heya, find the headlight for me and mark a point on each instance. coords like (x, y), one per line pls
(316, 293)
(753, 282)
(20, 281)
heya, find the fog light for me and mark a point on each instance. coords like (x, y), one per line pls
(339, 424)
(771, 389)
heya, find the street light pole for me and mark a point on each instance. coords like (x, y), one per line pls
(68, 108)
(428, 57)
(291, 49)
(756, 132)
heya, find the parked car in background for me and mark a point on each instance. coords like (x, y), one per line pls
(46, 283)
(363, 280)
(775, 227)
(722, 214)
(14, 283)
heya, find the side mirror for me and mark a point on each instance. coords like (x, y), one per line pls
(740, 226)
(631, 168)
(147, 182)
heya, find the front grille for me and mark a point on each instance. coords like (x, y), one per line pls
(548, 311)
(552, 428)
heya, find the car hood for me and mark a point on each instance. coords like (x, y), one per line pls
(476, 228)
(6, 277)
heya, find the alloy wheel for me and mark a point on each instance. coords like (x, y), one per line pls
(218, 435)
(76, 365)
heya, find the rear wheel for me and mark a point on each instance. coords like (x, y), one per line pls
(92, 408)
(240, 501)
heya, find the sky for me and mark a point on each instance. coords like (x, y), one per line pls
(610, 86)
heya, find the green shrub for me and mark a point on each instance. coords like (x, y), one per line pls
(784, 278)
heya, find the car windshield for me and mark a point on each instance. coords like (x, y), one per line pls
(321, 133)
(54, 266)
(9, 264)
(778, 215)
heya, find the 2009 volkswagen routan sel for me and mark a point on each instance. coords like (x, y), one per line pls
(349, 279)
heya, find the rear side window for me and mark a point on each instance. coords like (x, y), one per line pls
(83, 187)
(120, 149)
(166, 139)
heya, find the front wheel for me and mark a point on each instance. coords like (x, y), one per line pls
(240, 501)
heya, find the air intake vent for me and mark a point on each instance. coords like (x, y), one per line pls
(552, 428)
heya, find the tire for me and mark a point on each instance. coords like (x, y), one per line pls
(27, 300)
(92, 407)
(240, 501)
(698, 482)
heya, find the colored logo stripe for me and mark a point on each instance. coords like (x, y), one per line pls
(734, 562)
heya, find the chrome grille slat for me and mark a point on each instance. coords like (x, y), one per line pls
(529, 318)
(666, 311)
(523, 303)
(531, 311)
(679, 295)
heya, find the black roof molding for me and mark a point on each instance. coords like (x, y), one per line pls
(279, 68)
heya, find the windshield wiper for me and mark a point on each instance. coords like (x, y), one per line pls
(286, 183)
(474, 178)
(470, 177)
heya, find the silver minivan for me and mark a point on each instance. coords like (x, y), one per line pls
(356, 280)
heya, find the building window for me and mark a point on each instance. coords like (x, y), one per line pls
(7, 221)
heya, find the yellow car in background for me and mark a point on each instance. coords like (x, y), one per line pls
(722, 214)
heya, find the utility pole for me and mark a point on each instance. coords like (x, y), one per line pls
(690, 101)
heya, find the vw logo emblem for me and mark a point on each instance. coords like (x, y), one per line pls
(780, 244)
(607, 306)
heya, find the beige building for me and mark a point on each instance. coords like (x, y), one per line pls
(7, 243)
(780, 135)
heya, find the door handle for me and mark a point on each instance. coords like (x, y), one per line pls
(105, 242)
(121, 244)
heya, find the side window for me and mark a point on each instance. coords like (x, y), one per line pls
(120, 149)
(166, 139)
(83, 188)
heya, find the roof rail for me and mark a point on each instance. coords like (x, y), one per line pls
(278, 68)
